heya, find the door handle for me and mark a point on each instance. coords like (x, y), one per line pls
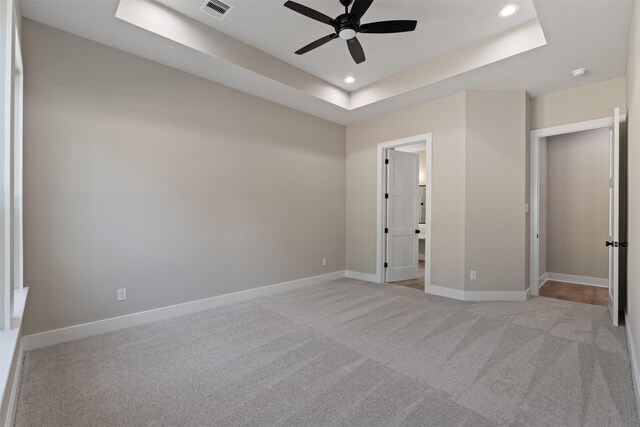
(609, 243)
(623, 244)
(417, 231)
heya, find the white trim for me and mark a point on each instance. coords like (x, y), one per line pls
(578, 280)
(9, 342)
(634, 362)
(441, 291)
(427, 139)
(534, 185)
(573, 127)
(478, 295)
(57, 336)
(542, 279)
(15, 388)
(367, 277)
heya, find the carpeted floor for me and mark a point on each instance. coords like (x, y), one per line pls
(343, 353)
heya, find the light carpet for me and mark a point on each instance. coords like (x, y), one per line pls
(342, 353)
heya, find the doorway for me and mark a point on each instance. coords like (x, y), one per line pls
(577, 222)
(404, 212)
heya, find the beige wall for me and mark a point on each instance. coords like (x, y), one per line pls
(633, 123)
(495, 173)
(578, 203)
(444, 118)
(479, 187)
(144, 177)
(583, 103)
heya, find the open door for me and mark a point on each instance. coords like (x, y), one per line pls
(402, 216)
(614, 217)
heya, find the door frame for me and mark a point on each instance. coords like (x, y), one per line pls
(534, 189)
(381, 174)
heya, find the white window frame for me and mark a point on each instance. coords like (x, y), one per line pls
(11, 102)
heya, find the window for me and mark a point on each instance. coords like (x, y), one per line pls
(10, 160)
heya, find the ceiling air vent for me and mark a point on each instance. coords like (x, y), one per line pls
(216, 8)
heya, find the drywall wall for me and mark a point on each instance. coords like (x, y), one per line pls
(542, 219)
(142, 177)
(633, 237)
(578, 203)
(479, 187)
(495, 174)
(583, 103)
(444, 118)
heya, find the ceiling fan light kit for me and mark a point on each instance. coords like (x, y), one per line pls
(347, 26)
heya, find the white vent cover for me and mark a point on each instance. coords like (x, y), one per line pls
(216, 8)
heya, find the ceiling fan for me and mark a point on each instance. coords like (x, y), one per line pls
(347, 25)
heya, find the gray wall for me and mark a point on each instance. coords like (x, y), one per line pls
(144, 177)
(578, 203)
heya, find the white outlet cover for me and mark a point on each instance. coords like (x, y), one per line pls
(122, 294)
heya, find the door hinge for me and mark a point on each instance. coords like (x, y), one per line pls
(386, 230)
(386, 265)
(386, 161)
(386, 195)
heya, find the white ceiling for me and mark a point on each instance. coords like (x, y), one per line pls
(443, 27)
(592, 33)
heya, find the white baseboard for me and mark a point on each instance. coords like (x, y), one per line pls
(441, 291)
(367, 277)
(542, 279)
(477, 295)
(84, 330)
(578, 280)
(15, 388)
(634, 362)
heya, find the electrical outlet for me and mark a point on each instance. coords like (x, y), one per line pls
(122, 294)
(472, 276)
(324, 261)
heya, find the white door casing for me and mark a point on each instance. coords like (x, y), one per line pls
(614, 215)
(403, 215)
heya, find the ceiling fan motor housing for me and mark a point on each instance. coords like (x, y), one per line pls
(346, 29)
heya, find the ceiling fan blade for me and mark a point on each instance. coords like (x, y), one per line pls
(355, 48)
(316, 43)
(360, 7)
(309, 13)
(385, 27)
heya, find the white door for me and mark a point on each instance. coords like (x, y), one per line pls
(614, 214)
(403, 210)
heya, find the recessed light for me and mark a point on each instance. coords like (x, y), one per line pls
(508, 10)
(579, 72)
(349, 79)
